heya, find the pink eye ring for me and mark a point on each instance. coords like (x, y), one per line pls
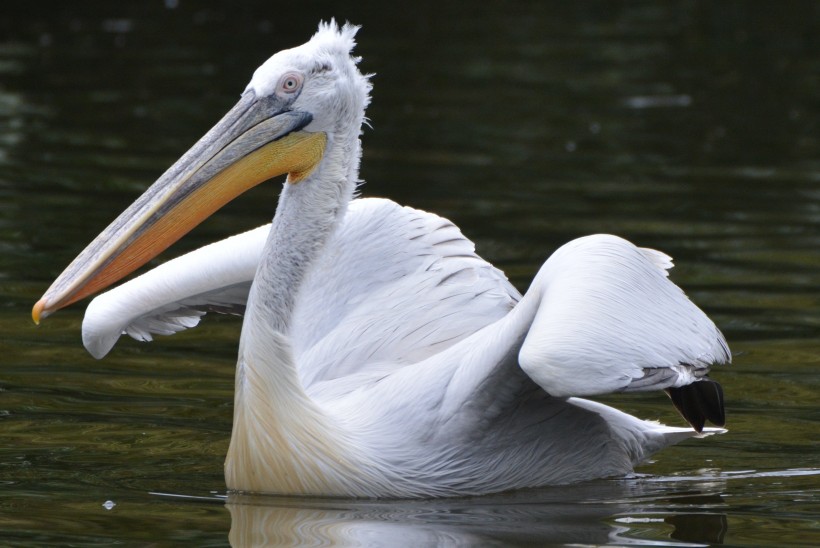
(290, 83)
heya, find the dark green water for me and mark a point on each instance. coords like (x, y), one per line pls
(686, 126)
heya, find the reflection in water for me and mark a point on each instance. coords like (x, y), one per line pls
(592, 513)
(698, 528)
(687, 126)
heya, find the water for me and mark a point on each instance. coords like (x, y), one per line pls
(685, 126)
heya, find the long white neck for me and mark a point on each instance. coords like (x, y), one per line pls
(282, 441)
(307, 215)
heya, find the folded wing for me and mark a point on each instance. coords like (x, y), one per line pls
(610, 320)
(175, 295)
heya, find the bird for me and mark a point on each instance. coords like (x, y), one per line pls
(380, 356)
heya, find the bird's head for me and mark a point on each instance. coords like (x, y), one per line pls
(297, 104)
(319, 78)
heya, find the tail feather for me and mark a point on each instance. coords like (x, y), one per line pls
(698, 402)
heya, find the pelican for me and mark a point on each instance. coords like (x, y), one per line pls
(380, 356)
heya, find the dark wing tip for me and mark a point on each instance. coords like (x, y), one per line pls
(698, 402)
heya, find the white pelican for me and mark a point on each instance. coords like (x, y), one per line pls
(379, 355)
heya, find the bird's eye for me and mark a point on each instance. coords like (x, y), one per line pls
(290, 82)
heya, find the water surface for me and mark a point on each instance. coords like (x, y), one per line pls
(683, 126)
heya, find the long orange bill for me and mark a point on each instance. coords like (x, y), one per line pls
(256, 140)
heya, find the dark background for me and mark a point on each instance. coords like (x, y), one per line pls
(691, 127)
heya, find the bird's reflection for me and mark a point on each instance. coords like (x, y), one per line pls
(599, 512)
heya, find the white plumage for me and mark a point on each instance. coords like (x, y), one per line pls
(380, 356)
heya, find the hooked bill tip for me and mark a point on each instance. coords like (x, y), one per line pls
(37, 311)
